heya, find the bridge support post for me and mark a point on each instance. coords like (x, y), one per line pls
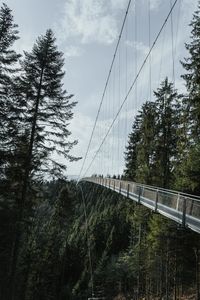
(114, 185)
(197, 255)
(184, 213)
(120, 187)
(128, 188)
(156, 202)
(139, 195)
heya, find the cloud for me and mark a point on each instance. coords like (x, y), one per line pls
(161, 65)
(73, 51)
(138, 46)
(154, 4)
(119, 4)
(81, 121)
(91, 20)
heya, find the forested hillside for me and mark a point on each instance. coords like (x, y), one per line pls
(35, 112)
(128, 250)
(63, 240)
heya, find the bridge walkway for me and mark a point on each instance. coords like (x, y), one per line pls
(180, 207)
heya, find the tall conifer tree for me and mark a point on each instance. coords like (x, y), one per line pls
(145, 148)
(8, 59)
(167, 123)
(9, 138)
(188, 170)
(48, 110)
(131, 151)
(192, 77)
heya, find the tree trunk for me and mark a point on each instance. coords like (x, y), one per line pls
(197, 254)
(19, 226)
(167, 272)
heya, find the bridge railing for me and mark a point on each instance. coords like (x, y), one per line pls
(183, 208)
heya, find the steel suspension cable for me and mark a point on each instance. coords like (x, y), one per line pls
(177, 27)
(135, 80)
(136, 56)
(88, 240)
(126, 87)
(149, 23)
(119, 97)
(172, 45)
(161, 56)
(105, 88)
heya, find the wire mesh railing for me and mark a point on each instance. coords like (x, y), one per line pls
(180, 207)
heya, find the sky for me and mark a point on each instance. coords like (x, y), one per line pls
(87, 32)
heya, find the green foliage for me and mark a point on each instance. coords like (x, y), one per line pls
(192, 77)
(57, 236)
(187, 172)
(153, 143)
(145, 147)
(49, 108)
(35, 112)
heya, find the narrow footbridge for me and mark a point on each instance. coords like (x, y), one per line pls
(180, 207)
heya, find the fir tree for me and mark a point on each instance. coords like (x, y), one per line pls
(8, 35)
(48, 110)
(167, 123)
(8, 60)
(192, 77)
(188, 169)
(131, 151)
(9, 142)
(145, 147)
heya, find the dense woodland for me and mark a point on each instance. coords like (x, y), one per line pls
(60, 240)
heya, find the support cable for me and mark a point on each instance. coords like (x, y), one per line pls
(105, 88)
(88, 240)
(149, 21)
(161, 57)
(118, 124)
(136, 58)
(126, 87)
(172, 41)
(132, 85)
(177, 27)
(113, 114)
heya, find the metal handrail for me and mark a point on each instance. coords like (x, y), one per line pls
(154, 188)
(181, 207)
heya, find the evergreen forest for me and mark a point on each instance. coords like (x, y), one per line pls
(60, 240)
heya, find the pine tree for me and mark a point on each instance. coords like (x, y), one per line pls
(192, 77)
(145, 147)
(47, 112)
(188, 169)
(8, 60)
(9, 139)
(8, 35)
(131, 151)
(167, 123)
(49, 109)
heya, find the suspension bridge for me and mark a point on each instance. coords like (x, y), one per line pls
(121, 99)
(131, 66)
(144, 44)
(180, 207)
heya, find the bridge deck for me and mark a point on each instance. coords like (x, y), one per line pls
(180, 207)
